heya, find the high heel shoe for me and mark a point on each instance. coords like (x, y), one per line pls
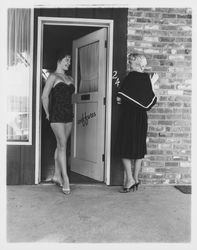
(136, 185)
(53, 181)
(127, 190)
(57, 182)
(66, 191)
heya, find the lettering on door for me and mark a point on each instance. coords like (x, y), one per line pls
(84, 118)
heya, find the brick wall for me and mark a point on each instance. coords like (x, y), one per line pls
(163, 35)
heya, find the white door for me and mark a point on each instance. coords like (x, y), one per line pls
(89, 73)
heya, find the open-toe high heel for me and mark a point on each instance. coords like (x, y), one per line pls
(66, 191)
(57, 182)
(54, 181)
(127, 190)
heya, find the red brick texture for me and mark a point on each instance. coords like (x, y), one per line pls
(164, 36)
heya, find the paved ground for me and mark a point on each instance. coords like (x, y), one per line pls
(97, 213)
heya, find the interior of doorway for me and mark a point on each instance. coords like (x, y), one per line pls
(56, 37)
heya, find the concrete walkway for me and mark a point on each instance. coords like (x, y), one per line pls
(97, 214)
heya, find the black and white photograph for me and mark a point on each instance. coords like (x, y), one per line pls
(98, 123)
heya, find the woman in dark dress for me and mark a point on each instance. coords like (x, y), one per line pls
(56, 99)
(136, 97)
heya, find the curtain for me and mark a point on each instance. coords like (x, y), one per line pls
(19, 74)
(19, 36)
(88, 59)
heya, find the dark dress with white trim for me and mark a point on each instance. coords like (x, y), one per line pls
(133, 124)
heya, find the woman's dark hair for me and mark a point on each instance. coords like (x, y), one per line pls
(61, 53)
(58, 56)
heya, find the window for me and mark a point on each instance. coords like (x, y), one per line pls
(19, 76)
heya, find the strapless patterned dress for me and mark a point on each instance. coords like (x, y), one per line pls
(60, 103)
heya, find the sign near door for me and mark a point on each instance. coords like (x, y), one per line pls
(85, 117)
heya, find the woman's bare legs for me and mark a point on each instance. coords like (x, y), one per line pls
(124, 178)
(129, 180)
(125, 175)
(138, 165)
(62, 132)
(57, 177)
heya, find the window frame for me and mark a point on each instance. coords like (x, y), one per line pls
(29, 142)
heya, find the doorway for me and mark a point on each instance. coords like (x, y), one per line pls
(67, 33)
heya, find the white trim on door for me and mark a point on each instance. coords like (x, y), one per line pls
(74, 22)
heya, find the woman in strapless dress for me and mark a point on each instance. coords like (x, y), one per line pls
(57, 103)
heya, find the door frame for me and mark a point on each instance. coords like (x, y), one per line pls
(103, 23)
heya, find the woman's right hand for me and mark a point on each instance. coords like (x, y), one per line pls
(47, 116)
(154, 78)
